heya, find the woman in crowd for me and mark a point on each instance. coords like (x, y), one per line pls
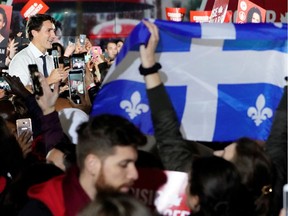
(215, 188)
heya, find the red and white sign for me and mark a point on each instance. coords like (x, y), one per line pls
(219, 11)
(175, 14)
(34, 7)
(162, 191)
(203, 16)
(248, 12)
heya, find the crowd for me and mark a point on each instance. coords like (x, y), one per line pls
(50, 169)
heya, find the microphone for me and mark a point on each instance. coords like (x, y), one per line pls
(55, 55)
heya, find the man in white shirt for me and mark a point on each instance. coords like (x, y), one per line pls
(41, 32)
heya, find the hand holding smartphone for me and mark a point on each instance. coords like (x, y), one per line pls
(23, 125)
(76, 84)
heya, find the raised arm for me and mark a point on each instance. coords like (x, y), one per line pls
(174, 151)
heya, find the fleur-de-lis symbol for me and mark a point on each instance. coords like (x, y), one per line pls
(259, 113)
(134, 107)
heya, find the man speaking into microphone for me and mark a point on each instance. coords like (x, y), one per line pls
(41, 33)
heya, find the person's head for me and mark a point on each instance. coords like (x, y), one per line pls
(62, 155)
(255, 169)
(115, 204)
(254, 15)
(3, 20)
(57, 46)
(119, 45)
(111, 49)
(107, 150)
(214, 187)
(58, 32)
(40, 29)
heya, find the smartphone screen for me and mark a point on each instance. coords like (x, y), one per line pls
(23, 125)
(78, 61)
(65, 61)
(76, 84)
(3, 84)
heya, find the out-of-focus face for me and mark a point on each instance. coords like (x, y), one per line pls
(228, 153)
(56, 157)
(119, 45)
(118, 172)
(112, 51)
(2, 23)
(256, 18)
(44, 38)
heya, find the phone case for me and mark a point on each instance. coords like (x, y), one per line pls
(23, 125)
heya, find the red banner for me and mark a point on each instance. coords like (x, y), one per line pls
(203, 16)
(34, 7)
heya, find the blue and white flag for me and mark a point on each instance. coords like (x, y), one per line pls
(225, 80)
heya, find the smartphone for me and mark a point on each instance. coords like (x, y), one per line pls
(23, 125)
(76, 84)
(21, 41)
(82, 38)
(65, 61)
(36, 85)
(78, 61)
(95, 50)
(3, 83)
(285, 199)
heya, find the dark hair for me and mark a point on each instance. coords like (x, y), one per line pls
(110, 41)
(11, 157)
(255, 169)
(69, 151)
(2, 11)
(251, 12)
(102, 133)
(115, 204)
(8, 111)
(58, 25)
(35, 23)
(218, 185)
(55, 46)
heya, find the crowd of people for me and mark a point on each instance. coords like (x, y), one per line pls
(50, 170)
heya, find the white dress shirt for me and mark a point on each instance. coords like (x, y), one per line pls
(29, 55)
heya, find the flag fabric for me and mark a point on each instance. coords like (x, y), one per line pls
(225, 80)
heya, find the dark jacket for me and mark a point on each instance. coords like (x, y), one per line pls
(276, 148)
(175, 152)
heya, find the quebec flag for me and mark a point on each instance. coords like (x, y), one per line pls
(225, 80)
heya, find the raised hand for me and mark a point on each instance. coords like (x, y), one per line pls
(47, 101)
